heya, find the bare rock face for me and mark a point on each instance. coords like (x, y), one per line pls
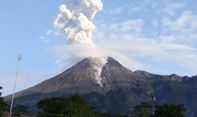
(110, 87)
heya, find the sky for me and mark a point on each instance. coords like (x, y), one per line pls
(158, 36)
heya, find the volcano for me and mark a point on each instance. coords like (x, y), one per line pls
(110, 87)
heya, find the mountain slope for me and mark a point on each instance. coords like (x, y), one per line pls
(110, 87)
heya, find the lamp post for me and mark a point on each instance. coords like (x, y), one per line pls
(19, 58)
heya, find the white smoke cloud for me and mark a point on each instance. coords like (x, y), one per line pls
(74, 18)
(169, 46)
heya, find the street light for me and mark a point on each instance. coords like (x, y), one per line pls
(19, 58)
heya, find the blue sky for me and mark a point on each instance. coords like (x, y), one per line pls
(156, 36)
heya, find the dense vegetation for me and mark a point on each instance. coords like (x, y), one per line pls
(3, 105)
(75, 106)
(20, 110)
(170, 110)
(164, 110)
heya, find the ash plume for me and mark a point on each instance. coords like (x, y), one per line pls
(75, 19)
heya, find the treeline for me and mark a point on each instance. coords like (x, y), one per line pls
(73, 106)
(76, 106)
(3, 105)
(18, 110)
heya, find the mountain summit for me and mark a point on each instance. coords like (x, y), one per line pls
(89, 75)
(110, 87)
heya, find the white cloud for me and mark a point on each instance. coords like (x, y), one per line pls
(75, 20)
(130, 8)
(117, 10)
(163, 48)
(127, 41)
(185, 23)
(172, 8)
(79, 52)
(50, 35)
(182, 29)
(132, 27)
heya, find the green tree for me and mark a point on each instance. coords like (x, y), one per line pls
(74, 106)
(170, 110)
(109, 115)
(195, 115)
(142, 110)
(3, 105)
(20, 110)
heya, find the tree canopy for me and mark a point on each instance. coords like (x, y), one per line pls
(20, 110)
(170, 110)
(74, 106)
(142, 110)
(3, 105)
(163, 110)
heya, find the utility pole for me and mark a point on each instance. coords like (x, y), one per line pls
(19, 58)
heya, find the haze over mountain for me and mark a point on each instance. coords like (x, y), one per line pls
(110, 87)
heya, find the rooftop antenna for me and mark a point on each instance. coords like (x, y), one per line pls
(19, 58)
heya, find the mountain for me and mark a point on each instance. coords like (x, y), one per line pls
(110, 87)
